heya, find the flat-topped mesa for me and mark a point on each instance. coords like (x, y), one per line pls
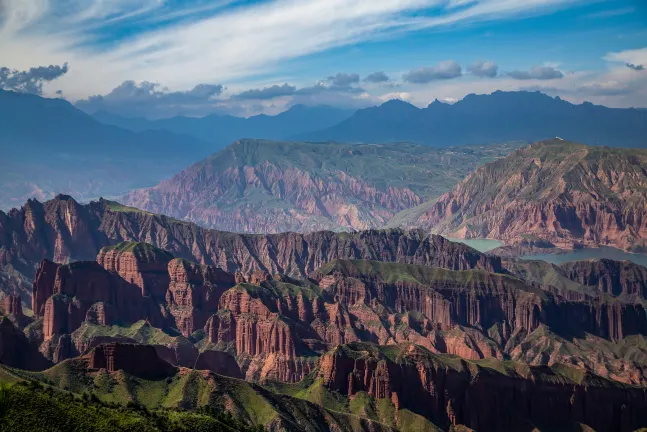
(140, 264)
(490, 395)
(134, 359)
(194, 293)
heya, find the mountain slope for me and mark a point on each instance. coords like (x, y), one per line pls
(49, 147)
(497, 117)
(560, 192)
(267, 186)
(222, 130)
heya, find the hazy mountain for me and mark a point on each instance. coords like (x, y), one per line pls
(555, 191)
(48, 146)
(223, 129)
(272, 186)
(497, 117)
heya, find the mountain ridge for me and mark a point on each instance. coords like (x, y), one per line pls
(565, 194)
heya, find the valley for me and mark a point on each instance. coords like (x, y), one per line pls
(301, 286)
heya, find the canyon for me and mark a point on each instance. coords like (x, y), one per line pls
(429, 342)
(324, 317)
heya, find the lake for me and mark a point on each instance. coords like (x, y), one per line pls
(481, 245)
(588, 253)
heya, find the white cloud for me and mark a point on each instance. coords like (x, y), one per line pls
(223, 45)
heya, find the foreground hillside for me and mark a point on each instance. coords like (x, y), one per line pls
(562, 193)
(262, 186)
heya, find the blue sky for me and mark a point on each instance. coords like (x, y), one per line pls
(146, 57)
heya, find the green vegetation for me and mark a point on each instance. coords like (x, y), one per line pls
(141, 250)
(116, 207)
(28, 405)
(392, 273)
(140, 332)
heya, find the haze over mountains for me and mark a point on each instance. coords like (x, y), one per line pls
(498, 117)
(222, 130)
(50, 147)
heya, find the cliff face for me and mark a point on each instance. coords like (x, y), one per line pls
(273, 326)
(194, 292)
(130, 282)
(42, 231)
(482, 396)
(555, 191)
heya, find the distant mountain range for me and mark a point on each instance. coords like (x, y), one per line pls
(551, 193)
(273, 186)
(494, 118)
(48, 146)
(223, 130)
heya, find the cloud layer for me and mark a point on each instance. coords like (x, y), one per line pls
(442, 71)
(185, 43)
(537, 73)
(30, 81)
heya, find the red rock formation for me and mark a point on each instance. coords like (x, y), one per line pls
(138, 360)
(25, 246)
(450, 392)
(43, 287)
(12, 305)
(194, 292)
(86, 291)
(139, 264)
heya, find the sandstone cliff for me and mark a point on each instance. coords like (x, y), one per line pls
(558, 192)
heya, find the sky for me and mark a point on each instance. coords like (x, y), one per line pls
(161, 58)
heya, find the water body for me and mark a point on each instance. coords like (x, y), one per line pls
(589, 253)
(481, 245)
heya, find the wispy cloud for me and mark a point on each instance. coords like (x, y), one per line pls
(202, 41)
(612, 13)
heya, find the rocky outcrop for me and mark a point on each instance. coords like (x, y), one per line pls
(85, 291)
(617, 278)
(139, 264)
(130, 282)
(138, 360)
(12, 305)
(451, 392)
(553, 192)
